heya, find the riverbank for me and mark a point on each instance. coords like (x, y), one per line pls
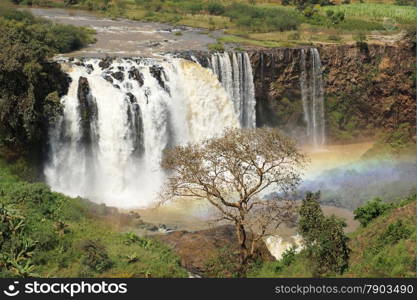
(244, 26)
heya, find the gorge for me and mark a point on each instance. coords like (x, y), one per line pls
(120, 114)
(108, 132)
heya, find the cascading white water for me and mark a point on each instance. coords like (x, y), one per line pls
(312, 94)
(117, 122)
(234, 71)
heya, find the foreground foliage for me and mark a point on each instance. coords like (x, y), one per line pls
(324, 238)
(47, 234)
(384, 248)
(31, 85)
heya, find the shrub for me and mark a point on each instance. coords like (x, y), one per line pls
(224, 264)
(95, 256)
(311, 216)
(195, 7)
(27, 77)
(263, 19)
(288, 257)
(395, 232)
(337, 17)
(324, 238)
(69, 38)
(370, 211)
(131, 238)
(330, 253)
(215, 8)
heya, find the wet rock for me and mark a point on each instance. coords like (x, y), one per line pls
(136, 75)
(88, 110)
(147, 93)
(153, 44)
(158, 73)
(151, 227)
(105, 63)
(128, 85)
(118, 75)
(131, 98)
(90, 68)
(108, 78)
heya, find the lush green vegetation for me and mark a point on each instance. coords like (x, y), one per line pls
(371, 210)
(250, 19)
(259, 19)
(324, 238)
(376, 12)
(47, 234)
(30, 85)
(393, 144)
(384, 248)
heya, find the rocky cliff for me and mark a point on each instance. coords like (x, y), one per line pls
(366, 87)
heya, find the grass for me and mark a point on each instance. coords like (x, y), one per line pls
(59, 226)
(376, 11)
(378, 250)
(262, 24)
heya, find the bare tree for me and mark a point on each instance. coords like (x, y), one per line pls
(230, 172)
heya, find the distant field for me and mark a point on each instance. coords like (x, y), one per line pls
(377, 11)
(264, 23)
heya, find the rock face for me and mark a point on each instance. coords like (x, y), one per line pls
(366, 87)
(196, 249)
(160, 76)
(88, 110)
(136, 75)
(277, 87)
(372, 86)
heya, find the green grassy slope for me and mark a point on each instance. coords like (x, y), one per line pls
(385, 248)
(47, 234)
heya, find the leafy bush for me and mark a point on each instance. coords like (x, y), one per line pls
(311, 216)
(16, 248)
(95, 256)
(324, 238)
(224, 264)
(288, 257)
(68, 38)
(263, 19)
(395, 232)
(330, 253)
(131, 238)
(194, 7)
(371, 210)
(29, 83)
(216, 8)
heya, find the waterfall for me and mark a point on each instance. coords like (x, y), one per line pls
(312, 94)
(118, 119)
(234, 71)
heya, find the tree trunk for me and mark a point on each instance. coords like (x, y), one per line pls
(243, 249)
